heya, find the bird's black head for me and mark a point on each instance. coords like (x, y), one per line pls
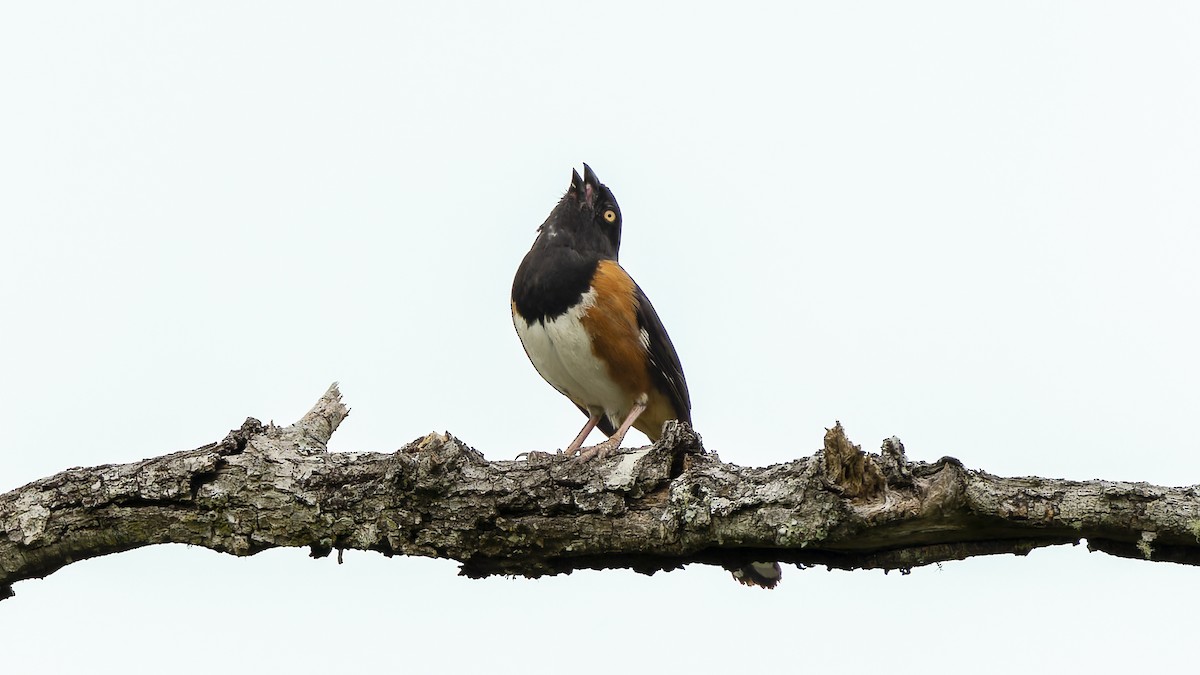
(586, 219)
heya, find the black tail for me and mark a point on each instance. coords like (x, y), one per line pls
(761, 574)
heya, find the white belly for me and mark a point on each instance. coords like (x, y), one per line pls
(562, 353)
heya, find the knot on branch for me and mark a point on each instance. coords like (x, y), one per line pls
(443, 448)
(236, 440)
(848, 469)
(683, 443)
(941, 485)
(433, 462)
(894, 463)
(682, 438)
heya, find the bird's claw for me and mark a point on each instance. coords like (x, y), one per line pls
(597, 451)
(532, 455)
(577, 455)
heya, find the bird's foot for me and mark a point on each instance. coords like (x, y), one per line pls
(532, 455)
(598, 451)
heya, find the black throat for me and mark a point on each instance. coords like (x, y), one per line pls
(582, 229)
(551, 280)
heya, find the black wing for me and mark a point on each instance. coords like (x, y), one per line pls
(664, 362)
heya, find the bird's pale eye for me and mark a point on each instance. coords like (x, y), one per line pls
(610, 216)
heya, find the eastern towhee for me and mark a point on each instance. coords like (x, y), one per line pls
(592, 333)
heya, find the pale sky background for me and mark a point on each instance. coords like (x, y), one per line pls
(973, 226)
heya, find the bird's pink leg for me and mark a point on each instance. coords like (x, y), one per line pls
(602, 450)
(593, 420)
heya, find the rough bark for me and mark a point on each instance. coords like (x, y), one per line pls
(649, 509)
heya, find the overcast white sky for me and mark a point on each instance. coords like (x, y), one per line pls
(974, 226)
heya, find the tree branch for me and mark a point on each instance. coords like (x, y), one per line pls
(649, 509)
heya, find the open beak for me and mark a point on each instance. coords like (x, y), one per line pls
(591, 186)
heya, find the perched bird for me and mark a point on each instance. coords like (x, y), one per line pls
(592, 333)
(589, 330)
